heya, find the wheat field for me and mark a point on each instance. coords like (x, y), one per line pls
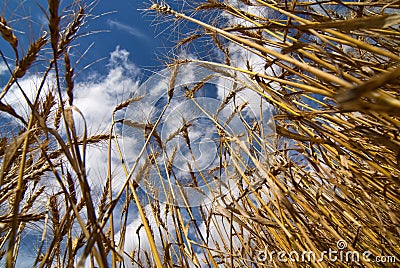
(316, 184)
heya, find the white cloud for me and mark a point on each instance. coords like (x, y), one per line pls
(30, 85)
(127, 28)
(3, 68)
(96, 98)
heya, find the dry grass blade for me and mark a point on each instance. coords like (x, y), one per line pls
(334, 175)
(374, 22)
(370, 85)
(10, 153)
(30, 57)
(10, 110)
(37, 154)
(188, 39)
(70, 32)
(54, 21)
(171, 86)
(15, 206)
(126, 103)
(69, 72)
(245, 42)
(8, 35)
(324, 169)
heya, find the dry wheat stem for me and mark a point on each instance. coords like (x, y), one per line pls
(320, 74)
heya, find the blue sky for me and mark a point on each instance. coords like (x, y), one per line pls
(119, 23)
(130, 29)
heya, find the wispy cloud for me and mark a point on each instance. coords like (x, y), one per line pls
(96, 97)
(3, 68)
(127, 28)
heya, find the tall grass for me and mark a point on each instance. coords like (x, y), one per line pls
(332, 78)
(47, 145)
(331, 73)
